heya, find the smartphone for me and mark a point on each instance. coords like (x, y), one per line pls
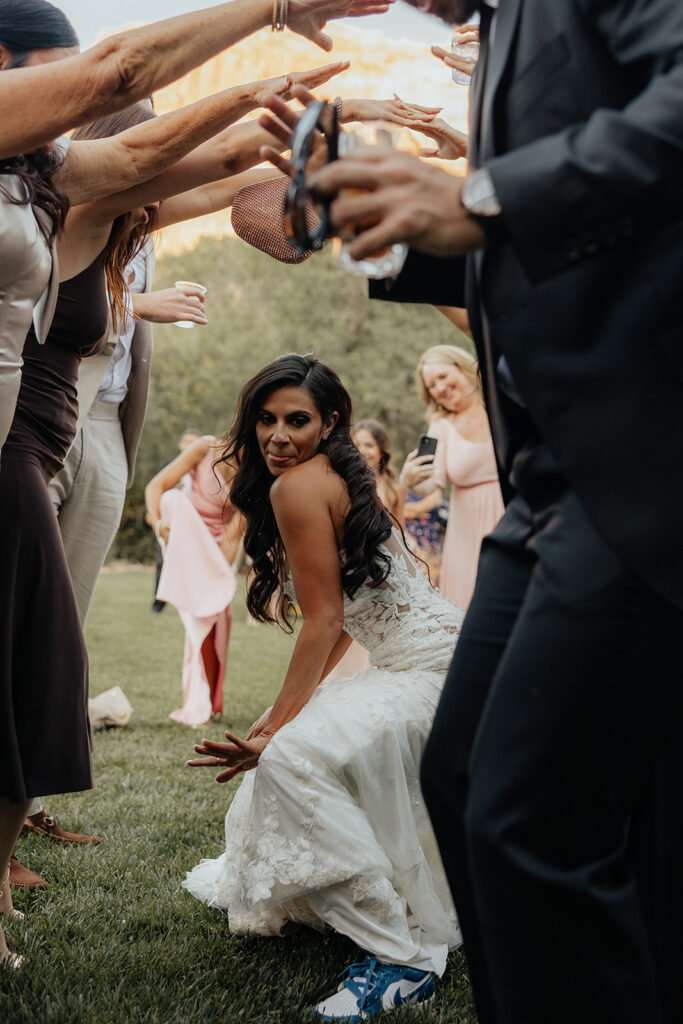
(426, 445)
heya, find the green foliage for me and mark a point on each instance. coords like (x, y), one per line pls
(115, 940)
(259, 309)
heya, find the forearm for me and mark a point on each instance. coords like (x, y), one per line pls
(238, 147)
(230, 541)
(417, 509)
(336, 654)
(217, 195)
(117, 72)
(153, 494)
(124, 169)
(314, 645)
(422, 487)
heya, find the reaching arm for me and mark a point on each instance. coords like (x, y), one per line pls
(218, 153)
(100, 170)
(171, 475)
(217, 195)
(132, 65)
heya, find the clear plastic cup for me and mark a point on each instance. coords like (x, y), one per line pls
(389, 261)
(468, 52)
(188, 324)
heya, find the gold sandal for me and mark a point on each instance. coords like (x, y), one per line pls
(16, 915)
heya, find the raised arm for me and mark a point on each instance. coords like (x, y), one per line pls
(106, 171)
(132, 65)
(226, 152)
(217, 195)
(168, 477)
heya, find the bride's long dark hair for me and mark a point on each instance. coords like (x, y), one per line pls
(366, 524)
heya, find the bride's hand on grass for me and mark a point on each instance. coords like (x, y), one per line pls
(234, 757)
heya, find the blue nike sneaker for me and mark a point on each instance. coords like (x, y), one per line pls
(371, 987)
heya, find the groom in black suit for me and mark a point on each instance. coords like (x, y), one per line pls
(550, 774)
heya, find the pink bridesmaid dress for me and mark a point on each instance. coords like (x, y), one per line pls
(475, 506)
(198, 580)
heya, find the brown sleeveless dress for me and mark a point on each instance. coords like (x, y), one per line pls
(44, 730)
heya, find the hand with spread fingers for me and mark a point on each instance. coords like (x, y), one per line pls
(284, 85)
(450, 144)
(234, 757)
(457, 61)
(281, 122)
(309, 17)
(403, 199)
(395, 110)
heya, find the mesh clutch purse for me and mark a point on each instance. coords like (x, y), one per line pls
(258, 218)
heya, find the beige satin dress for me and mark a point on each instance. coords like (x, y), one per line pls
(29, 281)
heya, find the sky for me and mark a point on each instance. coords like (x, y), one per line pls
(91, 17)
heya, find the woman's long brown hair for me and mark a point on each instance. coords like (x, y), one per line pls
(124, 243)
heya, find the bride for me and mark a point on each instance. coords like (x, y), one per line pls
(330, 829)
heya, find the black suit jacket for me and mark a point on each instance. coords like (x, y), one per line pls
(581, 119)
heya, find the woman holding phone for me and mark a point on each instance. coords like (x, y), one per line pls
(449, 386)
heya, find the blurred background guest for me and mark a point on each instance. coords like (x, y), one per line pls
(200, 534)
(424, 530)
(450, 388)
(187, 438)
(373, 443)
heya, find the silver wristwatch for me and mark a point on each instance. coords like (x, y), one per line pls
(479, 197)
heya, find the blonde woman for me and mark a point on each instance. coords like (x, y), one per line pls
(449, 386)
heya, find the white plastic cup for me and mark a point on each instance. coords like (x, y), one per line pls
(188, 324)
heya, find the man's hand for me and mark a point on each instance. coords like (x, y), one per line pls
(404, 199)
(451, 144)
(171, 304)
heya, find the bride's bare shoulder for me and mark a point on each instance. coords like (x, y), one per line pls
(311, 481)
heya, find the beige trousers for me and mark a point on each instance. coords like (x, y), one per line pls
(88, 495)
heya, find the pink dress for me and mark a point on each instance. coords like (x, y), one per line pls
(475, 507)
(198, 580)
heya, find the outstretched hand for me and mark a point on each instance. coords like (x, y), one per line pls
(281, 122)
(234, 757)
(451, 144)
(309, 17)
(284, 85)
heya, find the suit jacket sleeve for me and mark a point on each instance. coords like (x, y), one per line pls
(569, 196)
(428, 279)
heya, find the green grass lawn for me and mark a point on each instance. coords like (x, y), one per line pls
(114, 939)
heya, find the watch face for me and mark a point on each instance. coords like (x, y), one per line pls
(479, 195)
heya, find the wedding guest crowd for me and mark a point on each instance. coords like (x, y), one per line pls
(530, 786)
(52, 198)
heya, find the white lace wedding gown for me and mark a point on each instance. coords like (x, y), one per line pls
(331, 829)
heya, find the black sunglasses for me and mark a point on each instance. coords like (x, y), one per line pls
(319, 117)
